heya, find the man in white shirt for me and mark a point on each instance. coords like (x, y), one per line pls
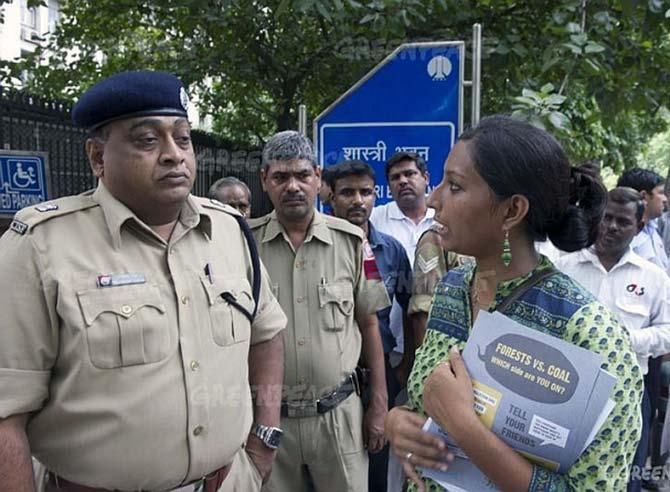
(648, 243)
(632, 287)
(407, 216)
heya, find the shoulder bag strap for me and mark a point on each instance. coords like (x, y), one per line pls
(524, 287)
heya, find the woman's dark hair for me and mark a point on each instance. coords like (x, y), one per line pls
(513, 157)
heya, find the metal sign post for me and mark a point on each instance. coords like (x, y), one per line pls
(23, 180)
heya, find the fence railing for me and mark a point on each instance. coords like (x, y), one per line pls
(32, 123)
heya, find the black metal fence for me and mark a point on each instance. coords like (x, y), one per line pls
(31, 123)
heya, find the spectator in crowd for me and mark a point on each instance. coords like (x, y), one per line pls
(325, 190)
(233, 192)
(648, 243)
(507, 184)
(353, 198)
(316, 264)
(113, 344)
(407, 216)
(635, 289)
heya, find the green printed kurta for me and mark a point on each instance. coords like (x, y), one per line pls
(560, 307)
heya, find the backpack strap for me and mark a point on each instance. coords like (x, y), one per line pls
(525, 286)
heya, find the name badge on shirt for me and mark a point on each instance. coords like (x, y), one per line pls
(120, 279)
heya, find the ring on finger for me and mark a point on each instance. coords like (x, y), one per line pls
(408, 456)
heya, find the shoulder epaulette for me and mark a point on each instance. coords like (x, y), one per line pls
(428, 232)
(344, 226)
(213, 204)
(259, 221)
(29, 217)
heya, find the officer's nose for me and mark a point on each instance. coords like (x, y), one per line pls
(171, 153)
(292, 184)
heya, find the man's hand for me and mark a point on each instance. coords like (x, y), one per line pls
(261, 456)
(373, 427)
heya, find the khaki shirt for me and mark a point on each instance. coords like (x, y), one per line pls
(142, 385)
(431, 263)
(320, 287)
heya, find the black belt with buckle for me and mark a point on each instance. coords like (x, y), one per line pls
(311, 408)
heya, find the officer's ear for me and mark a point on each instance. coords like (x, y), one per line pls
(95, 151)
(264, 176)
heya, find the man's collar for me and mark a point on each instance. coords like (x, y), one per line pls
(117, 214)
(590, 255)
(396, 214)
(318, 229)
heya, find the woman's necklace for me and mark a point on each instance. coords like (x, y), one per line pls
(483, 290)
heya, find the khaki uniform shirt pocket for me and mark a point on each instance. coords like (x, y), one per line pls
(125, 325)
(336, 303)
(228, 324)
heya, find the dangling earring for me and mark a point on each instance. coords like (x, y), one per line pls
(506, 255)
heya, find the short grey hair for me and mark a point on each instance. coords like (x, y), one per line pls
(287, 146)
(227, 181)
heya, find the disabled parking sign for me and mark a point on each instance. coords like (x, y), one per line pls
(23, 180)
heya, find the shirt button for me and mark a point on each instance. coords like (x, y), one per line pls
(185, 300)
(126, 309)
(301, 342)
(299, 264)
(198, 430)
(173, 251)
(195, 366)
(300, 299)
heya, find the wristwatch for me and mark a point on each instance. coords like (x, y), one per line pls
(271, 436)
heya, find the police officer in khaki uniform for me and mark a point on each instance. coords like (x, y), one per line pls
(129, 320)
(315, 263)
(431, 263)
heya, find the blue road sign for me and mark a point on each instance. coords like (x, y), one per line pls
(23, 180)
(412, 101)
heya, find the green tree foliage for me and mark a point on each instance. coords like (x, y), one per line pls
(593, 72)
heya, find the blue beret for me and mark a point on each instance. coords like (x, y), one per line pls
(128, 95)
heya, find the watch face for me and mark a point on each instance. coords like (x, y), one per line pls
(274, 438)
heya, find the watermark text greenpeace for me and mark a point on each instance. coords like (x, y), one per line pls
(656, 473)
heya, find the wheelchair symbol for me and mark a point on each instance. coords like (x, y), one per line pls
(23, 179)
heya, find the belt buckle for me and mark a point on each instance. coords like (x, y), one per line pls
(301, 408)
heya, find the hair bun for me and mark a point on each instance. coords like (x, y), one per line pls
(578, 228)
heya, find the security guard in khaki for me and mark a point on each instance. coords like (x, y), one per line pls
(130, 350)
(315, 264)
(431, 263)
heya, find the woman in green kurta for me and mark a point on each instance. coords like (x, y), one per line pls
(506, 185)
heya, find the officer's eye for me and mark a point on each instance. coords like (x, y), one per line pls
(147, 141)
(183, 141)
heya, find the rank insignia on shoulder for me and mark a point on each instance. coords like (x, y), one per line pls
(46, 207)
(120, 279)
(18, 227)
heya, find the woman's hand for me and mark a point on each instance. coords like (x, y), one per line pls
(413, 446)
(448, 397)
